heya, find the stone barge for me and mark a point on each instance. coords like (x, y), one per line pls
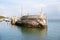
(33, 21)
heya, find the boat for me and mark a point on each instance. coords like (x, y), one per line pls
(37, 21)
(33, 21)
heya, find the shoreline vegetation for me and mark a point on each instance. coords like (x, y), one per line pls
(1, 17)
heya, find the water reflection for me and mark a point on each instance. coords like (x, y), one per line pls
(33, 33)
(12, 32)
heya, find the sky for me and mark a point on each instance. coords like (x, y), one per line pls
(13, 7)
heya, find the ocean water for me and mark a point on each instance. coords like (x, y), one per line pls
(53, 32)
(12, 32)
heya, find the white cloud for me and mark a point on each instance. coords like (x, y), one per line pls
(9, 11)
(12, 7)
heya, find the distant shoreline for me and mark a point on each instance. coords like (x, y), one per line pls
(53, 20)
(2, 17)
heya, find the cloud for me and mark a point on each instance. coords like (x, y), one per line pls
(9, 11)
(13, 7)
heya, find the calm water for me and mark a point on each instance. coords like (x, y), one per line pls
(11, 32)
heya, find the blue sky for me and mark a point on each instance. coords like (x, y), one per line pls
(13, 7)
